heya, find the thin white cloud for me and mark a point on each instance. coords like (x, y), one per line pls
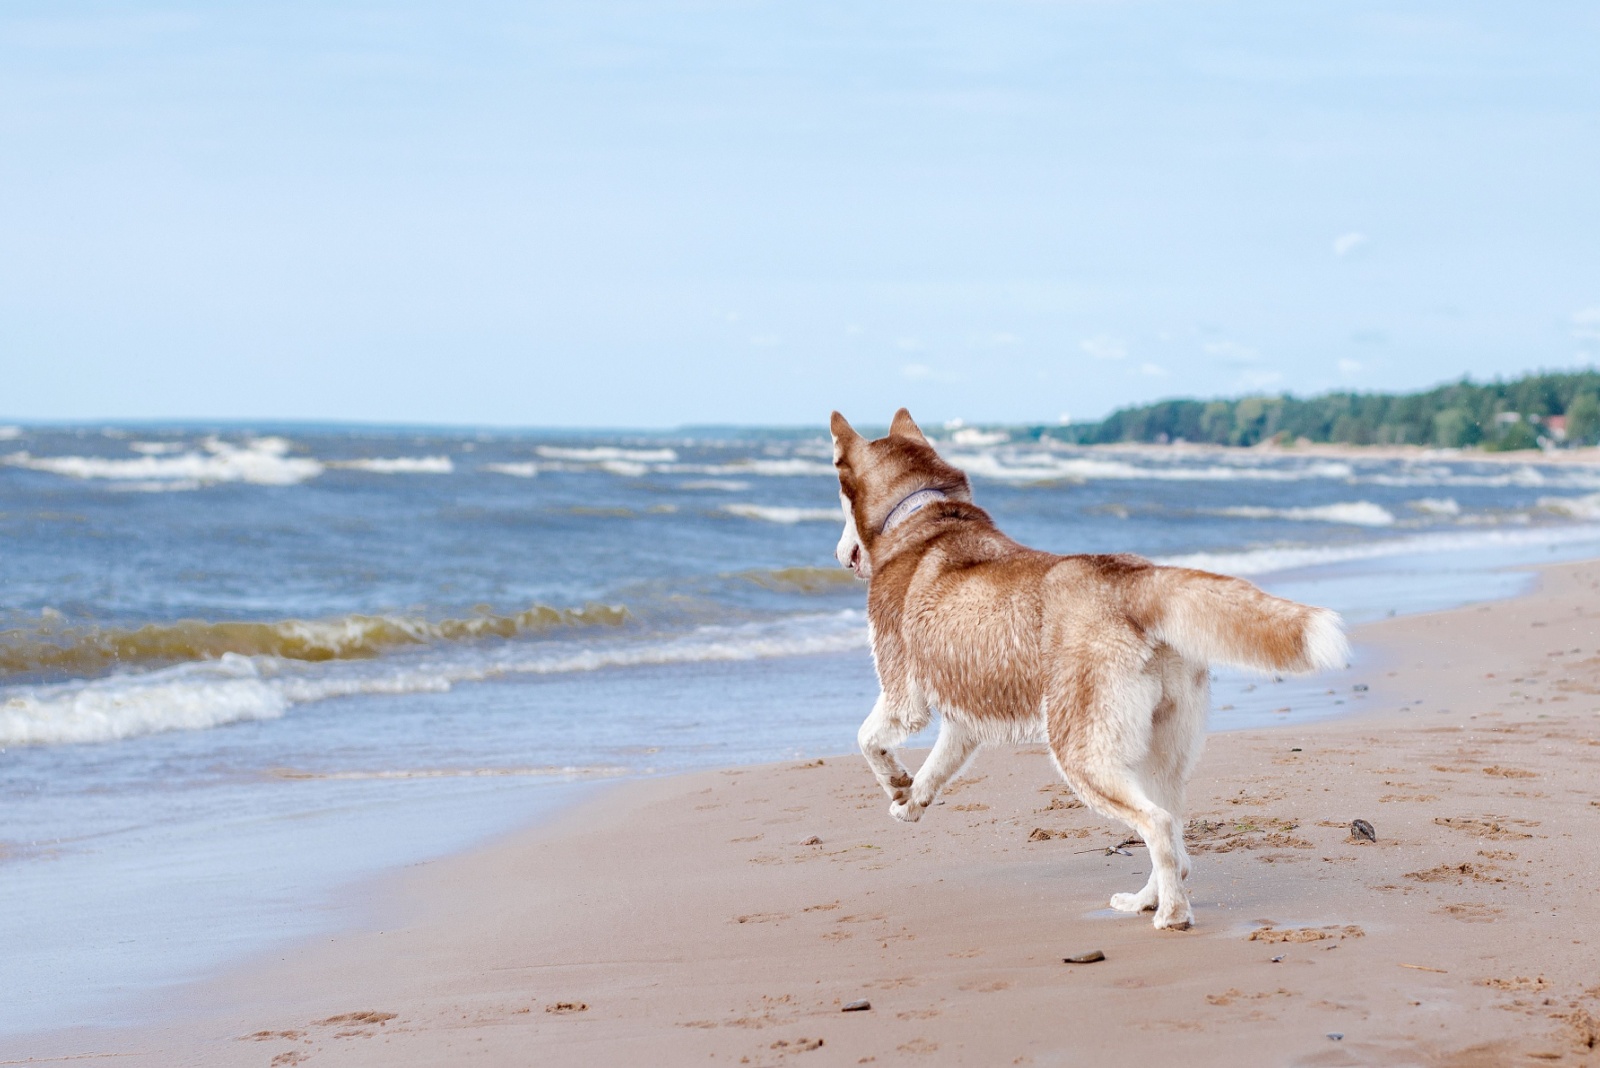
(1254, 380)
(908, 344)
(1151, 370)
(1345, 244)
(1586, 324)
(1004, 338)
(1350, 367)
(921, 372)
(1104, 347)
(1232, 352)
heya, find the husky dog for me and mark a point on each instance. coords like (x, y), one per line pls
(1105, 658)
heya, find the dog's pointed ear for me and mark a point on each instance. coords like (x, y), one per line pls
(844, 436)
(903, 426)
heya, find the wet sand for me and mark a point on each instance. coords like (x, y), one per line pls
(727, 917)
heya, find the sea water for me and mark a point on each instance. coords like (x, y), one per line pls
(243, 668)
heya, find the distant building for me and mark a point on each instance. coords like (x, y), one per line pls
(1556, 427)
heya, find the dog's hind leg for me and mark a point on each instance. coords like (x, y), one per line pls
(1100, 729)
(955, 746)
(1177, 737)
(884, 729)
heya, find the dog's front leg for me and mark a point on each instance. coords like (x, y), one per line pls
(883, 730)
(950, 753)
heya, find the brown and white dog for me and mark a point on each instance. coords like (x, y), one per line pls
(1105, 658)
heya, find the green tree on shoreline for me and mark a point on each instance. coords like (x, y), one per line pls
(1495, 415)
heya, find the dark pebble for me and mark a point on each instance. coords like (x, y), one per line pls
(856, 1006)
(1084, 958)
(1363, 829)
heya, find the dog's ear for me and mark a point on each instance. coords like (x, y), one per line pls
(844, 436)
(903, 426)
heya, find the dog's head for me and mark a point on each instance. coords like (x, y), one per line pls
(875, 477)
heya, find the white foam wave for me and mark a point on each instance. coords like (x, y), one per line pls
(782, 514)
(399, 465)
(186, 697)
(1017, 465)
(156, 448)
(1447, 506)
(522, 470)
(263, 461)
(181, 485)
(972, 436)
(1353, 513)
(1292, 557)
(765, 468)
(730, 485)
(237, 688)
(10, 433)
(1587, 507)
(600, 454)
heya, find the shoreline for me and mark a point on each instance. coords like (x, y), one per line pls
(693, 918)
(1582, 456)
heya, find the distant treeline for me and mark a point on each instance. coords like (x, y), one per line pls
(1494, 415)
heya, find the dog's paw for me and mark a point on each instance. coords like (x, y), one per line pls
(906, 811)
(1139, 902)
(1176, 919)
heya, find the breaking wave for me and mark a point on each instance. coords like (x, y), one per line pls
(1041, 466)
(237, 688)
(399, 465)
(1353, 513)
(802, 579)
(81, 650)
(263, 462)
(1291, 557)
(1587, 507)
(782, 514)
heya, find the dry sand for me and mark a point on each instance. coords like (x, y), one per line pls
(726, 917)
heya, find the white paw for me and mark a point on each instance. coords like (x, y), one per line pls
(906, 811)
(1132, 902)
(1179, 919)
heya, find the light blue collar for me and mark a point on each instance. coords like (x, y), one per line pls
(910, 506)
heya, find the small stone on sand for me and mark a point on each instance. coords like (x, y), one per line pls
(1084, 958)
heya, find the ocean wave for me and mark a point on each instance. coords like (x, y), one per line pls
(77, 650)
(1445, 506)
(1587, 507)
(604, 453)
(728, 485)
(783, 514)
(801, 579)
(239, 688)
(10, 433)
(1353, 513)
(263, 461)
(399, 465)
(1045, 466)
(766, 468)
(187, 697)
(1292, 557)
(1525, 477)
(518, 470)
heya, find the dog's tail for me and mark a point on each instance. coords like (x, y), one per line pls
(1217, 619)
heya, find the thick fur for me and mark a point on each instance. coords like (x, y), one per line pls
(1104, 658)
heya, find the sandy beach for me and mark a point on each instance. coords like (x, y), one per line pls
(729, 917)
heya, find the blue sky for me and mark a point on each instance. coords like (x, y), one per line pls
(651, 214)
